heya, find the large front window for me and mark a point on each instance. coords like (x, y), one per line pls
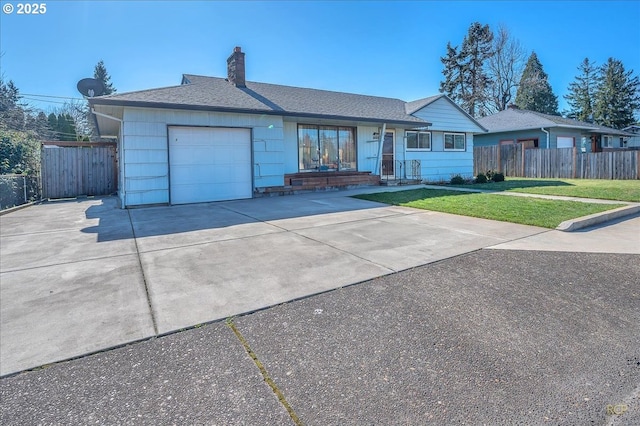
(326, 148)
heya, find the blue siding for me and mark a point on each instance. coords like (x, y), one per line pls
(495, 138)
(144, 149)
(554, 133)
(443, 115)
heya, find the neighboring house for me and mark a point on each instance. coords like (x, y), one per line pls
(538, 130)
(634, 140)
(212, 139)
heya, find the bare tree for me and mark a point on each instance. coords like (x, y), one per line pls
(505, 69)
(77, 110)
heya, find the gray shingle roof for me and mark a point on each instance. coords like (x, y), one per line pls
(413, 106)
(522, 119)
(217, 94)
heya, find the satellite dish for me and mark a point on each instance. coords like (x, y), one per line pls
(90, 87)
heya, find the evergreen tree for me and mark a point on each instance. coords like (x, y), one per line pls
(20, 132)
(466, 81)
(454, 83)
(100, 73)
(86, 124)
(12, 114)
(66, 128)
(534, 91)
(53, 125)
(62, 129)
(71, 125)
(9, 96)
(582, 91)
(617, 97)
(476, 49)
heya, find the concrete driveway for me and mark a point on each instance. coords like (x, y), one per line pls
(82, 276)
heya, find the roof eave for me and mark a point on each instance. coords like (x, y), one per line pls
(515, 129)
(165, 105)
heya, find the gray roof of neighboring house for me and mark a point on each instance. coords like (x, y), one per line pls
(513, 119)
(217, 94)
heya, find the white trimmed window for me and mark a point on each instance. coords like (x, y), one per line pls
(454, 142)
(418, 140)
(607, 141)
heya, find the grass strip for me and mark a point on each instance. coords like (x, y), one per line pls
(526, 211)
(619, 190)
(265, 374)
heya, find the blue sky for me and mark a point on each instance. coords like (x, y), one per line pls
(383, 48)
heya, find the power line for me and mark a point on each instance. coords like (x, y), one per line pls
(51, 96)
(42, 100)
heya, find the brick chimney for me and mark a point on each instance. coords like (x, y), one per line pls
(235, 68)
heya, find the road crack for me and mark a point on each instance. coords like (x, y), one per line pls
(265, 374)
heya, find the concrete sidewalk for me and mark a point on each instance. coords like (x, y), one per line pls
(82, 276)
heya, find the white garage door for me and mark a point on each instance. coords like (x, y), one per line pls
(209, 164)
(564, 142)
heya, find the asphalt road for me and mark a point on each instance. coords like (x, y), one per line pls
(490, 337)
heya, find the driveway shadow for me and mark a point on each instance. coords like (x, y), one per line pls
(224, 217)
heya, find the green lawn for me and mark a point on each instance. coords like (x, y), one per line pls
(620, 190)
(527, 211)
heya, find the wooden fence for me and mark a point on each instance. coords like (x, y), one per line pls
(516, 161)
(71, 169)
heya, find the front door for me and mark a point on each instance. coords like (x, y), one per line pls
(387, 156)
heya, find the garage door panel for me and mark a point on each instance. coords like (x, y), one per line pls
(188, 175)
(189, 194)
(209, 164)
(242, 156)
(191, 155)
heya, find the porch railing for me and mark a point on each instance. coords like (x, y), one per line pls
(401, 170)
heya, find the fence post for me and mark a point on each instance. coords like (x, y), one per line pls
(611, 165)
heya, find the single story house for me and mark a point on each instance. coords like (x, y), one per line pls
(212, 139)
(633, 141)
(538, 130)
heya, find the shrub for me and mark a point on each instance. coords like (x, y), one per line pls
(481, 178)
(457, 180)
(498, 177)
(489, 174)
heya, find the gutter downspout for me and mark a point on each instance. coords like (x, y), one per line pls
(120, 152)
(378, 158)
(100, 114)
(542, 128)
